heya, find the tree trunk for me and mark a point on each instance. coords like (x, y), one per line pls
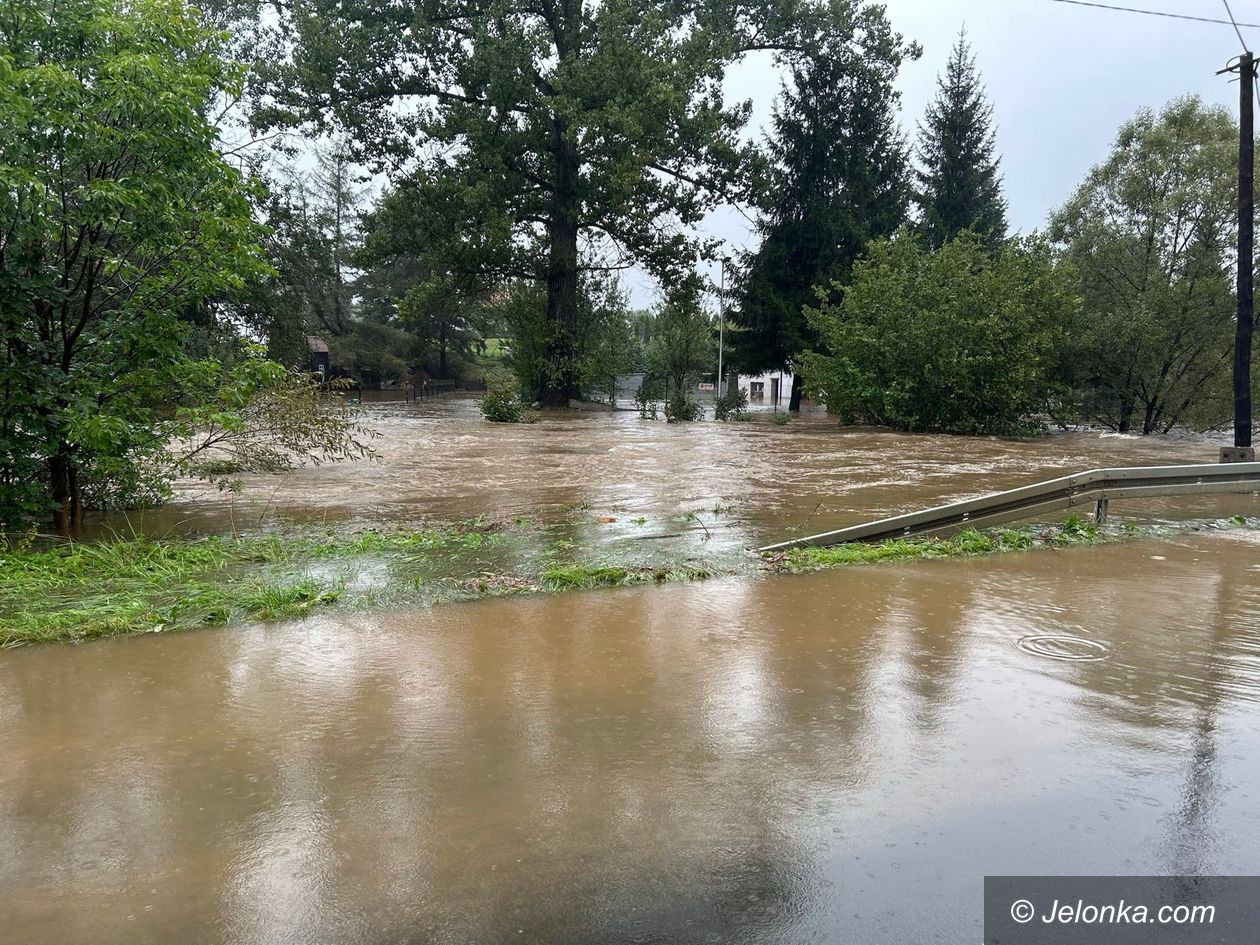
(1126, 418)
(1148, 419)
(64, 482)
(442, 351)
(798, 389)
(561, 382)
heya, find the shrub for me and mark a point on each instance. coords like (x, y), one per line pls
(682, 409)
(964, 339)
(646, 396)
(733, 405)
(502, 405)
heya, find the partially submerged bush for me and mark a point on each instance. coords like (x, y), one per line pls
(733, 405)
(646, 397)
(263, 418)
(503, 405)
(682, 409)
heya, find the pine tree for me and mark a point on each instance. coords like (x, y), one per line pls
(841, 179)
(959, 185)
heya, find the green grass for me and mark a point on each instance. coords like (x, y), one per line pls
(571, 577)
(80, 591)
(968, 543)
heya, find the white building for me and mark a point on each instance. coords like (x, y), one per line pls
(767, 390)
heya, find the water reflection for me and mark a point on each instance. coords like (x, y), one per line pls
(826, 757)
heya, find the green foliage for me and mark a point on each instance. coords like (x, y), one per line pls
(961, 340)
(502, 404)
(77, 591)
(959, 185)
(1150, 233)
(138, 479)
(252, 415)
(647, 397)
(732, 405)
(118, 216)
(682, 337)
(409, 282)
(680, 408)
(840, 179)
(532, 131)
(781, 419)
(607, 343)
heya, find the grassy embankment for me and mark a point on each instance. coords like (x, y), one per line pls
(79, 591)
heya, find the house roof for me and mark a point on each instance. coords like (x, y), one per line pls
(316, 344)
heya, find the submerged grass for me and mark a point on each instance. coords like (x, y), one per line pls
(1073, 531)
(78, 591)
(73, 592)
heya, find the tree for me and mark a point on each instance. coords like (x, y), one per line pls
(117, 213)
(552, 137)
(682, 344)
(313, 234)
(964, 339)
(959, 185)
(840, 179)
(407, 279)
(1149, 232)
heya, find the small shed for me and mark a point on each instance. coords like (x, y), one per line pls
(320, 362)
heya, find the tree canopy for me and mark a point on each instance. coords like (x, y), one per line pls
(958, 184)
(963, 339)
(553, 138)
(116, 214)
(1150, 233)
(839, 180)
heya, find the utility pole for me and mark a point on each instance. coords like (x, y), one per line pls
(1242, 451)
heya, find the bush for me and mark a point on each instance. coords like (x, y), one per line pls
(502, 405)
(682, 409)
(646, 396)
(781, 419)
(733, 405)
(964, 339)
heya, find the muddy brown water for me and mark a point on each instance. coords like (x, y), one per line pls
(438, 460)
(831, 757)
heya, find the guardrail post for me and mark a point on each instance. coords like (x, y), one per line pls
(1100, 512)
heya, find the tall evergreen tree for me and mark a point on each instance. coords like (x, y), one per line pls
(841, 178)
(959, 185)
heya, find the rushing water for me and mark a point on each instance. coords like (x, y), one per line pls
(439, 460)
(832, 757)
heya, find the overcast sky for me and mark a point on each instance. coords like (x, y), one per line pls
(1061, 78)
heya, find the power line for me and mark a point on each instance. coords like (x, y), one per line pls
(1235, 24)
(1173, 16)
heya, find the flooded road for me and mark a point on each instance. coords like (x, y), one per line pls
(830, 757)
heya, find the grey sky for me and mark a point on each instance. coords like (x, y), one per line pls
(1062, 79)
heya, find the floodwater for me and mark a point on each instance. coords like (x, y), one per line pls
(832, 757)
(749, 483)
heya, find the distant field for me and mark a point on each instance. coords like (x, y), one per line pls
(495, 346)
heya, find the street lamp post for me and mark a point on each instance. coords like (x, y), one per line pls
(721, 321)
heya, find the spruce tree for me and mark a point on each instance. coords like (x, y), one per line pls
(841, 178)
(959, 185)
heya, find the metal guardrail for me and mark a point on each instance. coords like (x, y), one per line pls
(1094, 486)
